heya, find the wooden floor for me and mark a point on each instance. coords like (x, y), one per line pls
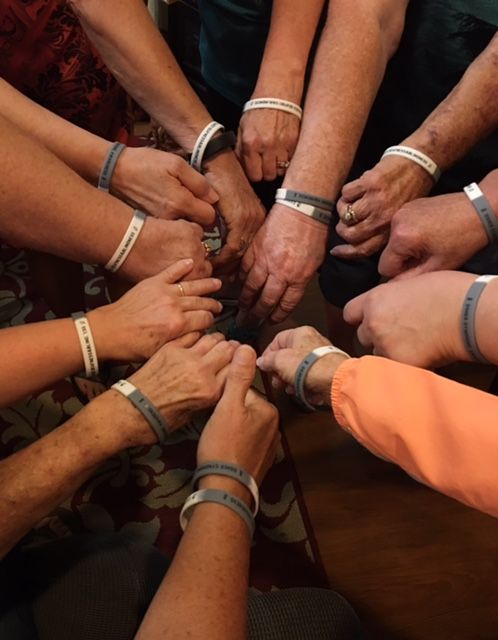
(415, 565)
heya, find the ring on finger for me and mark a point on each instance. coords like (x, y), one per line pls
(350, 218)
(283, 164)
(181, 289)
(207, 249)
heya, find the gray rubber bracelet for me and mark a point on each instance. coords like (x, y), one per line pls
(305, 366)
(468, 317)
(146, 408)
(484, 210)
(220, 468)
(109, 165)
(219, 497)
(305, 198)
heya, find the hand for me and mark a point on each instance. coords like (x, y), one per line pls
(239, 207)
(415, 321)
(265, 137)
(244, 426)
(431, 234)
(163, 185)
(153, 313)
(163, 242)
(185, 376)
(375, 197)
(287, 251)
(285, 353)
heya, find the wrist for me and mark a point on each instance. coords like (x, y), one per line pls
(229, 485)
(272, 84)
(429, 142)
(106, 334)
(489, 186)
(321, 375)
(485, 320)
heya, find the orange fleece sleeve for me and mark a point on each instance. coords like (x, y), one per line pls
(442, 433)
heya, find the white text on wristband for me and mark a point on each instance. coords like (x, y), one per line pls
(418, 157)
(87, 344)
(126, 244)
(218, 497)
(320, 215)
(229, 470)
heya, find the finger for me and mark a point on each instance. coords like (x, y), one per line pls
(240, 376)
(356, 252)
(364, 336)
(282, 340)
(197, 184)
(252, 163)
(277, 363)
(254, 282)
(360, 232)
(201, 304)
(220, 355)
(353, 190)
(247, 262)
(186, 341)
(269, 162)
(288, 303)
(198, 320)
(269, 298)
(196, 210)
(391, 262)
(360, 207)
(176, 271)
(353, 311)
(206, 343)
(194, 288)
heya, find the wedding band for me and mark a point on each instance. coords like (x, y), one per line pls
(207, 249)
(181, 289)
(283, 164)
(350, 218)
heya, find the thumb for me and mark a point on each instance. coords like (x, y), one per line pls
(177, 271)
(392, 263)
(240, 375)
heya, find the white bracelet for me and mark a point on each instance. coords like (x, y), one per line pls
(218, 497)
(126, 244)
(418, 157)
(87, 344)
(202, 142)
(229, 470)
(304, 367)
(308, 210)
(274, 103)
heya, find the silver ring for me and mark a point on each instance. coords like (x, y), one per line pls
(350, 218)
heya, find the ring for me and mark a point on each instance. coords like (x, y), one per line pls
(181, 289)
(242, 244)
(350, 218)
(283, 164)
(207, 249)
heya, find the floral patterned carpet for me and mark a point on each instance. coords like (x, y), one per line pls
(143, 489)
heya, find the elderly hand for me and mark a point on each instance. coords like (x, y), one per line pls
(244, 426)
(414, 321)
(375, 197)
(285, 353)
(184, 377)
(240, 208)
(154, 312)
(285, 254)
(436, 233)
(266, 137)
(163, 185)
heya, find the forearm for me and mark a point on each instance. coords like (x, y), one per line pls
(439, 431)
(37, 479)
(135, 52)
(79, 149)
(345, 79)
(283, 68)
(45, 206)
(204, 593)
(466, 116)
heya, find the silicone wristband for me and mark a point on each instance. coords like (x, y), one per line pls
(126, 244)
(146, 408)
(219, 497)
(87, 344)
(484, 210)
(304, 367)
(202, 142)
(308, 210)
(226, 140)
(418, 157)
(274, 103)
(109, 165)
(219, 468)
(305, 198)
(468, 317)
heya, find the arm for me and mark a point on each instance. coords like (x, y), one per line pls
(138, 56)
(464, 118)
(282, 263)
(439, 431)
(46, 207)
(267, 135)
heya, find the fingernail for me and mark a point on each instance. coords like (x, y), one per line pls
(259, 362)
(244, 355)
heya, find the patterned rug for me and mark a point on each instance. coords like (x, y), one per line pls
(143, 489)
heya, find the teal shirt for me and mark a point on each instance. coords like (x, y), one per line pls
(232, 41)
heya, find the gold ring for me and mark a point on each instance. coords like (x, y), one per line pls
(207, 249)
(181, 289)
(283, 164)
(350, 218)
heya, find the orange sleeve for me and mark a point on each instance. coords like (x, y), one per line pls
(442, 433)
